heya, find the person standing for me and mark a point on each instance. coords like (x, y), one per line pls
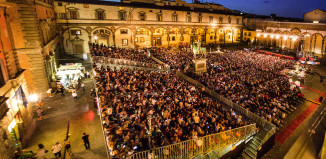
(39, 113)
(321, 79)
(62, 91)
(56, 149)
(67, 147)
(74, 95)
(86, 141)
(41, 151)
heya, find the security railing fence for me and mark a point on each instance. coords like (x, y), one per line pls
(107, 60)
(200, 146)
(271, 128)
(108, 151)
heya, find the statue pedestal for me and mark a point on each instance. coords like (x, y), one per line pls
(200, 65)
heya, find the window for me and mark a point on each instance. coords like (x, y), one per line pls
(73, 14)
(86, 6)
(316, 12)
(249, 34)
(238, 21)
(99, 14)
(124, 42)
(142, 39)
(136, 39)
(142, 15)
(122, 15)
(211, 37)
(229, 20)
(173, 38)
(159, 17)
(181, 38)
(188, 18)
(315, 21)
(220, 20)
(75, 32)
(122, 8)
(123, 31)
(199, 17)
(2, 75)
(245, 34)
(174, 17)
(211, 19)
(60, 4)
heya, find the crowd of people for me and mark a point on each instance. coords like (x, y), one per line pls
(252, 80)
(119, 53)
(137, 102)
(181, 60)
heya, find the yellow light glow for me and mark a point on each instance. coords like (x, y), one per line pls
(294, 38)
(272, 36)
(95, 37)
(285, 37)
(277, 36)
(265, 35)
(12, 125)
(258, 34)
(33, 97)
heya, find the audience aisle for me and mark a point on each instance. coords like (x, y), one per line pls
(312, 89)
(83, 117)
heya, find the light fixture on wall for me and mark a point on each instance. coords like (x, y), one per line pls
(95, 37)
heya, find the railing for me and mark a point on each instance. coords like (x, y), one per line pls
(108, 151)
(271, 128)
(194, 147)
(107, 60)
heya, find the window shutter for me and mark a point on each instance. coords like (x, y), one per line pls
(104, 15)
(96, 15)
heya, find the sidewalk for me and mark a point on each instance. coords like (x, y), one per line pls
(57, 111)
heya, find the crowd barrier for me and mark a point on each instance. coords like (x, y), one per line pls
(108, 152)
(200, 146)
(107, 60)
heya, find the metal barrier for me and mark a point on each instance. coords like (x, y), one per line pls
(108, 151)
(194, 147)
(271, 128)
(107, 60)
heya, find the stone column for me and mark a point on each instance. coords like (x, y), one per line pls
(322, 47)
(310, 43)
(215, 35)
(315, 42)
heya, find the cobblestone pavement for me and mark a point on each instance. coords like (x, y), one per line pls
(312, 81)
(82, 116)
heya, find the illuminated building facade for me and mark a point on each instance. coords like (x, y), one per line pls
(153, 23)
(307, 37)
(28, 42)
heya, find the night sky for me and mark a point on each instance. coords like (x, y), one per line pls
(284, 8)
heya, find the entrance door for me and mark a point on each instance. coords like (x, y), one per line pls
(159, 41)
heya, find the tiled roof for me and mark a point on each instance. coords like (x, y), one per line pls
(151, 5)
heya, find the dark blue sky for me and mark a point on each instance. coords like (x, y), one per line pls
(285, 8)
